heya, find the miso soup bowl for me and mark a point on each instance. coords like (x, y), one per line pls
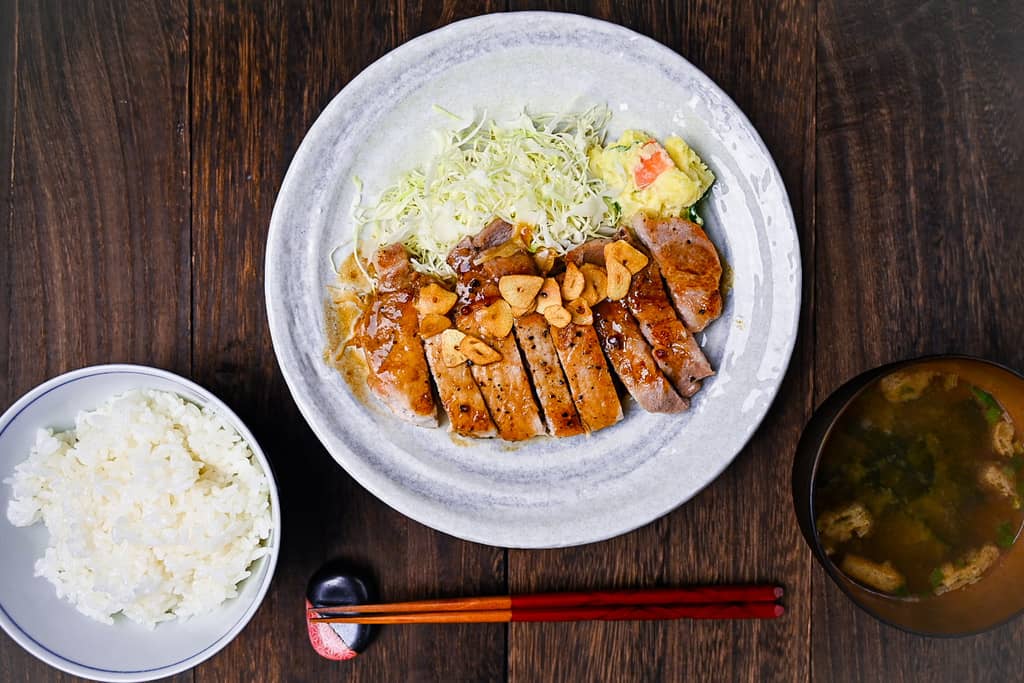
(999, 595)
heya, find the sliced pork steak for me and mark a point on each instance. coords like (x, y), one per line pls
(593, 390)
(534, 335)
(388, 334)
(460, 396)
(625, 346)
(504, 384)
(689, 263)
(674, 349)
(630, 356)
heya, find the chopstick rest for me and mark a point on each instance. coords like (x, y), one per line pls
(336, 585)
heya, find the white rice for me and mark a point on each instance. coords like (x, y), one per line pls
(155, 508)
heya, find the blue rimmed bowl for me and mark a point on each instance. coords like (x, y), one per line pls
(52, 629)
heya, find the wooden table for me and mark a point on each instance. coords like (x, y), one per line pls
(142, 146)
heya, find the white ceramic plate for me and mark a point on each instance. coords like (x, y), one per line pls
(546, 492)
(52, 629)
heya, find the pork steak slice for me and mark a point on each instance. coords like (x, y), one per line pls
(388, 334)
(689, 263)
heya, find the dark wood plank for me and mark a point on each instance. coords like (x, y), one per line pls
(8, 88)
(741, 528)
(920, 193)
(96, 255)
(261, 72)
(99, 235)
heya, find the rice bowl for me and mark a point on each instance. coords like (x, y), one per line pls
(154, 507)
(50, 628)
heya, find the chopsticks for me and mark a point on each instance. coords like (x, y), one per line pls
(707, 602)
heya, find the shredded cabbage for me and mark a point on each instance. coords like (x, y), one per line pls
(532, 169)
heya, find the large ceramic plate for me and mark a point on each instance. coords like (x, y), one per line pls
(546, 492)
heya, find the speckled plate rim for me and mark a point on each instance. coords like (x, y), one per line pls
(295, 363)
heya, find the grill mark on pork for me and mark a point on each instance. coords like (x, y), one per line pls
(388, 334)
(549, 381)
(689, 263)
(504, 384)
(459, 394)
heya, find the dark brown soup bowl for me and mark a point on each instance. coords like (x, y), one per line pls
(999, 595)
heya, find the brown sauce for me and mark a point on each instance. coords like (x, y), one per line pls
(920, 483)
(343, 306)
(728, 277)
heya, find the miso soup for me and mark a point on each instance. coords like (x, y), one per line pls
(920, 484)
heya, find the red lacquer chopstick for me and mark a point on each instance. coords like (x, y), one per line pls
(707, 602)
(747, 610)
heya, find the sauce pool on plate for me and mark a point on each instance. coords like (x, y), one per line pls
(920, 484)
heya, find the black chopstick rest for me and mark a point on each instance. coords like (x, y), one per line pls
(333, 585)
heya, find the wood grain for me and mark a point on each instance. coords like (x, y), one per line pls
(100, 219)
(96, 260)
(920, 192)
(261, 73)
(741, 527)
(8, 89)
